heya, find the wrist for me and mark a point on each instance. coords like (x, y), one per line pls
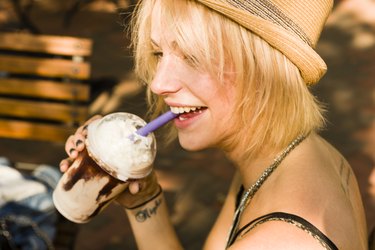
(149, 199)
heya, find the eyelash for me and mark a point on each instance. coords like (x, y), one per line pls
(189, 59)
(157, 54)
(192, 61)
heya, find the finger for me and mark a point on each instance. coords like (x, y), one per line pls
(69, 144)
(134, 187)
(83, 128)
(65, 164)
(64, 168)
(73, 153)
(81, 134)
(79, 142)
(76, 142)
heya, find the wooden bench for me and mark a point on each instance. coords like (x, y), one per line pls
(44, 92)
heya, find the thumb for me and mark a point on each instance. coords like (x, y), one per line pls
(134, 187)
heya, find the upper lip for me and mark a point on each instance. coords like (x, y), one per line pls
(178, 105)
(180, 108)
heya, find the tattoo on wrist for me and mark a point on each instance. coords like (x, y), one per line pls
(144, 214)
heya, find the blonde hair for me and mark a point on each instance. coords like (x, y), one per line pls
(274, 105)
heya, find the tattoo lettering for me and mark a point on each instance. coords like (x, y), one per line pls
(146, 213)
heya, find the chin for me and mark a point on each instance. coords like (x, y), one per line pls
(190, 145)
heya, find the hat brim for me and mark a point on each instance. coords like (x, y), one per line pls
(310, 64)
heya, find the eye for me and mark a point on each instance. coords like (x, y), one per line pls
(191, 60)
(157, 54)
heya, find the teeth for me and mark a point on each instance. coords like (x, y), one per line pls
(180, 110)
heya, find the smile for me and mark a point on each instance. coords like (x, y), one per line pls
(184, 111)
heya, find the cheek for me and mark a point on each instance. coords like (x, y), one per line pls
(225, 101)
(225, 111)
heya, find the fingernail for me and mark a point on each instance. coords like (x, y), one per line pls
(78, 142)
(71, 150)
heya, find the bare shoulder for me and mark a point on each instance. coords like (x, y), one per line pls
(276, 235)
(317, 184)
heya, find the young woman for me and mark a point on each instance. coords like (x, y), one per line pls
(237, 73)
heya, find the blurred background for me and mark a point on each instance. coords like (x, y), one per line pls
(195, 183)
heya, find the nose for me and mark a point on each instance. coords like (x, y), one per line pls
(166, 77)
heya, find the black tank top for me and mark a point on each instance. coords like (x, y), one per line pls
(285, 217)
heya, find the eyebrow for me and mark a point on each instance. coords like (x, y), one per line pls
(157, 46)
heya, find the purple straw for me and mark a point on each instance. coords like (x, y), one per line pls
(156, 123)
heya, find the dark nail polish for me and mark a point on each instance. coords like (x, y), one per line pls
(71, 151)
(78, 142)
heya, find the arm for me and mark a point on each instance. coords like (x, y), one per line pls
(219, 233)
(145, 205)
(152, 226)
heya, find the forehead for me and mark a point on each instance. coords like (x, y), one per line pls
(172, 20)
(156, 22)
(160, 26)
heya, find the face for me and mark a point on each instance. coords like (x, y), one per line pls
(205, 105)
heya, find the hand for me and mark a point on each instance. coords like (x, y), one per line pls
(139, 191)
(75, 144)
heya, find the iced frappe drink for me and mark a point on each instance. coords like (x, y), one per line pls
(114, 154)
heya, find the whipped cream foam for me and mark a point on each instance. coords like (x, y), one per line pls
(114, 144)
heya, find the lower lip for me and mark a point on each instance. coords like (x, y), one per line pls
(188, 119)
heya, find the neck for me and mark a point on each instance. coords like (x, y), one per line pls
(250, 166)
(251, 169)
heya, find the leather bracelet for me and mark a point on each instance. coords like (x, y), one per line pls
(147, 201)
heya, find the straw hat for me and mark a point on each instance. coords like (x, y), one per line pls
(291, 26)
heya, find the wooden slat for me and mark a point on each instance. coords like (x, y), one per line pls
(26, 113)
(42, 110)
(34, 131)
(58, 45)
(44, 67)
(44, 89)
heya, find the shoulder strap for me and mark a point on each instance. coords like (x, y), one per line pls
(294, 220)
(239, 195)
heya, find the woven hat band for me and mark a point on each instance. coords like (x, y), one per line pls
(270, 12)
(291, 26)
